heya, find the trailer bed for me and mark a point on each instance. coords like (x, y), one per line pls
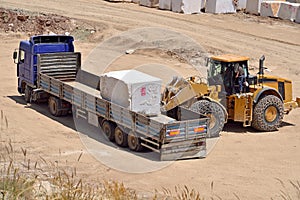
(172, 139)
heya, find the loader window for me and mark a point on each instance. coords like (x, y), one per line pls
(215, 68)
(215, 72)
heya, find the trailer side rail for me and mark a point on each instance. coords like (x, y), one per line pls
(185, 138)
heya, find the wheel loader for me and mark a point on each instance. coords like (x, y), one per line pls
(261, 103)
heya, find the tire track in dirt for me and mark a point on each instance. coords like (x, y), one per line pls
(126, 15)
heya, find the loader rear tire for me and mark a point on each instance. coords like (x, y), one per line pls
(268, 114)
(109, 130)
(214, 112)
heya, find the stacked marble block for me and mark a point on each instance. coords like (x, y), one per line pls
(253, 6)
(182, 6)
(289, 11)
(280, 9)
(242, 4)
(220, 6)
(148, 3)
(297, 19)
(165, 4)
(270, 8)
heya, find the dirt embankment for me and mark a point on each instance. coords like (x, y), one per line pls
(35, 23)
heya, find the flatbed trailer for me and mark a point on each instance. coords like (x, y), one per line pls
(56, 81)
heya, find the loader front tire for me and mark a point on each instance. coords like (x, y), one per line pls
(268, 114)
(214, 112)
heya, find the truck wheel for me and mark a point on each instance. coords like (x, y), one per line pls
(134, 143)
(214, 112)
(53, 104)
(268, 114)
(27, 93)
(109, 130)
(120, 137)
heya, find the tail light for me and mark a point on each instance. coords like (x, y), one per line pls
(174, 132)
(199, 129)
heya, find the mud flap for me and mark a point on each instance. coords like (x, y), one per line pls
(183, 150)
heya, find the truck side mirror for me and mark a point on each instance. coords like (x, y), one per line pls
(15, 56)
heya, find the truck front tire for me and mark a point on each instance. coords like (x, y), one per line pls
(27, 93)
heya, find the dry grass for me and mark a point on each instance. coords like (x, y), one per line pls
(182, 194)
(46, 180)
(21, 178)
(289, 191)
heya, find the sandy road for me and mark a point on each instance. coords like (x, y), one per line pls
(243, 162)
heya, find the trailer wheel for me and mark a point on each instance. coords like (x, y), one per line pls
(268, 114)
(214, 112)
(109, 130)
(134, 143)
(53, 104)
(121, 137)
(27, 93)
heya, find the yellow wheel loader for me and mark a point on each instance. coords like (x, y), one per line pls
(231, 93)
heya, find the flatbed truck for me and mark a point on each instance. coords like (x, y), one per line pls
(47, 69)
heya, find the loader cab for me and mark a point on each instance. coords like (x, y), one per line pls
(221, 72)
(25, 57)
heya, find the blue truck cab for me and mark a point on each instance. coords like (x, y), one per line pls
(26, 56)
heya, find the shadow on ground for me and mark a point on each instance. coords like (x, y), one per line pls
(237, 127)
(81, 125)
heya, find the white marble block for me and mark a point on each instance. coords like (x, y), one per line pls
(165, 4)
(293, 1)
(297, 19)
(148, 3)
(136, 1)
(187, 6)
(242, 4)
(132, 89)
(253, 6)
(220, 6)
(270, 8)
(288, 10)
(203, 2)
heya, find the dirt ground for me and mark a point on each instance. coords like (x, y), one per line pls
(243, 163)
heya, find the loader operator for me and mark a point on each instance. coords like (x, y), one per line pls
(240, 77)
